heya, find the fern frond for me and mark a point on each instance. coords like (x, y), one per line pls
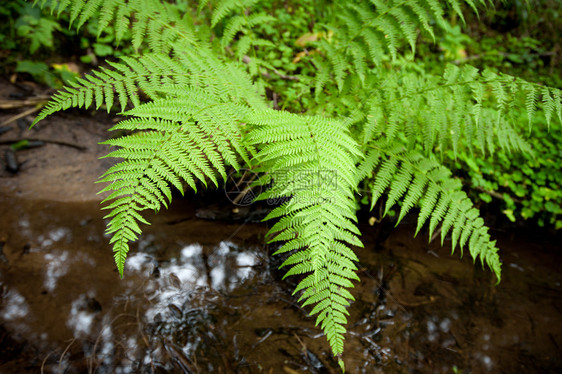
(450, 110)
(224, 8)
(337, 63)
(318, 221)
(102, 85)
(153, 21)
(456, 6)
(366, 32)
(190, 114)
(188, 138)
(240, 30)
(530, 103)
(241, 23)
(410, 177)
(148, 74)
(190, 129)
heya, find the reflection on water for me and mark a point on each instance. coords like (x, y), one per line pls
(56, 267)
(228, 264)
(14, 306)
(80, 319)
(223, 269)
(202, 296)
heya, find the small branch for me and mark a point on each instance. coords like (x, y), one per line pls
(64, 353)
(285, 76)
(495, 194)
(21, 115)
(435, 234)
(44, 361)
(12, 104)
(503, 54)
(58, 142)
(245, 191)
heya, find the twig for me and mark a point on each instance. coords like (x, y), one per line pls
(285, 76)
(143, 335)
(303, 346)
(495, 194)
(262, 339)
(245, 191)
(99, 337)
(174, 352)
(12, 104)
(304, 352)
(58, 142)
(45, 360)
(64, 352)
(435, 234)
(21, 115)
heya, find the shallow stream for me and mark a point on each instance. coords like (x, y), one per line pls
(204, 296)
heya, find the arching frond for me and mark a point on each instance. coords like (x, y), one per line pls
(310, 160)
(149, 74)
(188, 138)
(190, 113)
(461, 107)
(158, 23)
(224, 8)
(411, 178)
(364, 31)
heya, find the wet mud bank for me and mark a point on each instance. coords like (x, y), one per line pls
(202, 296)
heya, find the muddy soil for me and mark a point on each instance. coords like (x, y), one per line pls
(203, 295)
(64, 163)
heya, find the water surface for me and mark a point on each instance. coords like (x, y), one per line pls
(202, 296)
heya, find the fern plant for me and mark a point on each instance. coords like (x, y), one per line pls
(195, 108)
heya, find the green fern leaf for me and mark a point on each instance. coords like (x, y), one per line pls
(439, 196)
(190, 114)
(530, 103)
(224, 8)
(318, 220)
(170, 149)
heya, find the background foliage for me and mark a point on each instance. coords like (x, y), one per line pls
(523, 38)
